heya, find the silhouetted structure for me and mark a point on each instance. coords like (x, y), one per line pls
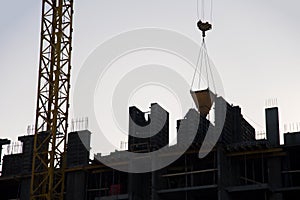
(146, 135)
(238, 167)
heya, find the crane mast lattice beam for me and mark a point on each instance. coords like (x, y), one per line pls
(47, 181)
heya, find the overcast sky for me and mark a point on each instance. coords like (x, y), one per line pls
(255, 46)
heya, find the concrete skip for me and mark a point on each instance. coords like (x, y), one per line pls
(204, 100)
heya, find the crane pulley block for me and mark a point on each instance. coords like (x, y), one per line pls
(204, 26)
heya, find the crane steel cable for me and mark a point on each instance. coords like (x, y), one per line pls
(203, 10)
(211, 10)
(203, 58)
(203, 64)
(197, 64)
(209, 67)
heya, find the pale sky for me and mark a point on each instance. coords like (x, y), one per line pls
(255, 46)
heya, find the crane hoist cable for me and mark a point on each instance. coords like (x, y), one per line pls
(203, 64)
(203, 10)
(203, 60)
(203, 98)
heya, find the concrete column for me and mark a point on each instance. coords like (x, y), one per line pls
(272, 126)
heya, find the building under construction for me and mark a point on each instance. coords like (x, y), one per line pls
(54, 164)
(238, 167)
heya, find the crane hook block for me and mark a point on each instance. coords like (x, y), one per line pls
(204, 26)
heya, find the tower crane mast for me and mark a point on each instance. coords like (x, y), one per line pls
(48, 164)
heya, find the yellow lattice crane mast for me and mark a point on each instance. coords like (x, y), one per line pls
(48, 165)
